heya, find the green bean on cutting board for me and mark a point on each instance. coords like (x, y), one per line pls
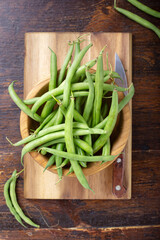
(76, 119)
(47, 109)
(138, 19)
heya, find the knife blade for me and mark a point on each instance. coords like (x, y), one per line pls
(118, 187)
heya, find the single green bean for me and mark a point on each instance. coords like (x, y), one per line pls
(81, 152)
(45, 121)
(16, 205)
(83, 145)
(106, 151)
(104, 109)
(65, 64)
(60, 147)
(48, 107)
(30, 101)
(71, 147)
(112, 118)
(126, 99)
(21, 104)
(8, 199)
(89, 103)
(145, 8)
(139, 20)
(70, 74)
(76, 157)
(50, 162)
(70, 171)
(53, 71)
(99, 82)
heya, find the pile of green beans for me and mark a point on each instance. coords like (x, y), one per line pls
(76, 120)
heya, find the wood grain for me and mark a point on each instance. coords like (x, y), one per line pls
(36, 67)
(18, 17)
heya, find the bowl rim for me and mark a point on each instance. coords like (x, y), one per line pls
(96, 167)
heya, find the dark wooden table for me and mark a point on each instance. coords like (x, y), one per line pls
(138, 218)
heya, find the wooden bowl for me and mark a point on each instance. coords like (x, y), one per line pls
(119, 136)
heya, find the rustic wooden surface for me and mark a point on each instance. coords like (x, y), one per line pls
(76, 218)
(36, 70)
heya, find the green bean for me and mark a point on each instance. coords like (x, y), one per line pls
(104, 109)
(81, 70)
(77, 49)
(70, 171)
(50, 162)
(48, 107)
(78, 142)
(52, 136)
(60, 146)
(16, 205)
(112, 118)
(53, 70)
(76, 62)
(64, 163)
(90, 99)
(106, 149)
(53, 129)
(121, 105)
(126, 99)
(50, 143)
(75, 94)
(52, 120)
(21, 105)
(78, 104)
(83, 145)
(45, 121)
(8, 200)
(30, 101)
(65, 64)
(71, 147)
(75, 87)
(99, 80)
(81, 152)
(145, 8)
(75, 157)
(139, 20)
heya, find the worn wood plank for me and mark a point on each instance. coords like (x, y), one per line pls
(18, 17)
(135, 232)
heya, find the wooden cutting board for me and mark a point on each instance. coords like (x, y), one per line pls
(39, 185)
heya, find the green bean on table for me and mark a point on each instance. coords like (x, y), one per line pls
(8, 199)
(145, 8)
(16, 205)
(138, 19)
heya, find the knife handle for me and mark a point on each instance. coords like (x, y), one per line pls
(118, 188)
